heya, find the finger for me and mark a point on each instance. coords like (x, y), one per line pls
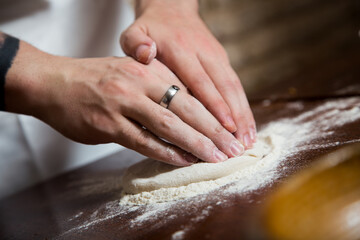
(190, 71)
(228, 84)
(192, 112)
(163, 73)
(136, 43)
(245, 111)
(165, 124)
(144, 142)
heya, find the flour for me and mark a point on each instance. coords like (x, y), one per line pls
(192, 189)
(286, 134)
(149, 175)
(313, 129)
(178, 235)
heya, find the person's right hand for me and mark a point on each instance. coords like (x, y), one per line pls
(102, 100)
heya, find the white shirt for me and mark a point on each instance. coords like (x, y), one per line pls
(31, 151)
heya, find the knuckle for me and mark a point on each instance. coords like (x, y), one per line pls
(200, 80)
(187, 105)
(219, 130)
(218, 104)
(181, 41)
(171, 155)
(112, 87)
(190, 104)
(142, 140)
(227, 86)
(124, 37)
(201, 88)
(244, 115)
(135, 69)
(167, 119)
(207, 46)
(202, 143)
(241, 119)
(239, 116)
(114, 65)
(219, 134)
(238, 85)
(229, 82)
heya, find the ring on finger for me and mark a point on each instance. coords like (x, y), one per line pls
(168, 96)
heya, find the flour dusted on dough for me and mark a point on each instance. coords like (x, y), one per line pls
(150, 175)
(154, 181)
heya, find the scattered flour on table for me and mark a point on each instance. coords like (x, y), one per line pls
(301, 133)
(286, 135)
(178, 235)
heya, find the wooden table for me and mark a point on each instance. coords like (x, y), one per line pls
(83, 204)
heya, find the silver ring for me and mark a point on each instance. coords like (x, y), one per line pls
(168, 96)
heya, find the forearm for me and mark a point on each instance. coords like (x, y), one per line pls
(25, 88)
(187, 5)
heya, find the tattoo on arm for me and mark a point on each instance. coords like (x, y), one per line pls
(8, 50)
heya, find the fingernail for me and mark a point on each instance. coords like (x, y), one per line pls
(153, 51)
(230, 124)
(145, 53)
(220, 156)
(247, 141)
(190, 158)
(236, 148)
(252, 132)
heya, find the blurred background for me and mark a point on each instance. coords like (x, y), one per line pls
(274, 45)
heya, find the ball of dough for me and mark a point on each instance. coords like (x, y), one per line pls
(149, 174)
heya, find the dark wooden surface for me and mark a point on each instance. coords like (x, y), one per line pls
(48, 210)
(316, 61)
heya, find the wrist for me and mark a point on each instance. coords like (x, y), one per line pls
(8, 49)
(182, 5)
(27, 88)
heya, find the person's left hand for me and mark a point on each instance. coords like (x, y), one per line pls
(174, 32)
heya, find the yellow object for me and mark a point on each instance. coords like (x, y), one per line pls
(321, 202)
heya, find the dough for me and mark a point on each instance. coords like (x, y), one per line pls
(149, 175)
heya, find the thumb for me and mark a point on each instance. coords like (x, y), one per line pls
(137, 44)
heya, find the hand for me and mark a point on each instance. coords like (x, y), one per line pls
(174, 31)
(103, 100)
